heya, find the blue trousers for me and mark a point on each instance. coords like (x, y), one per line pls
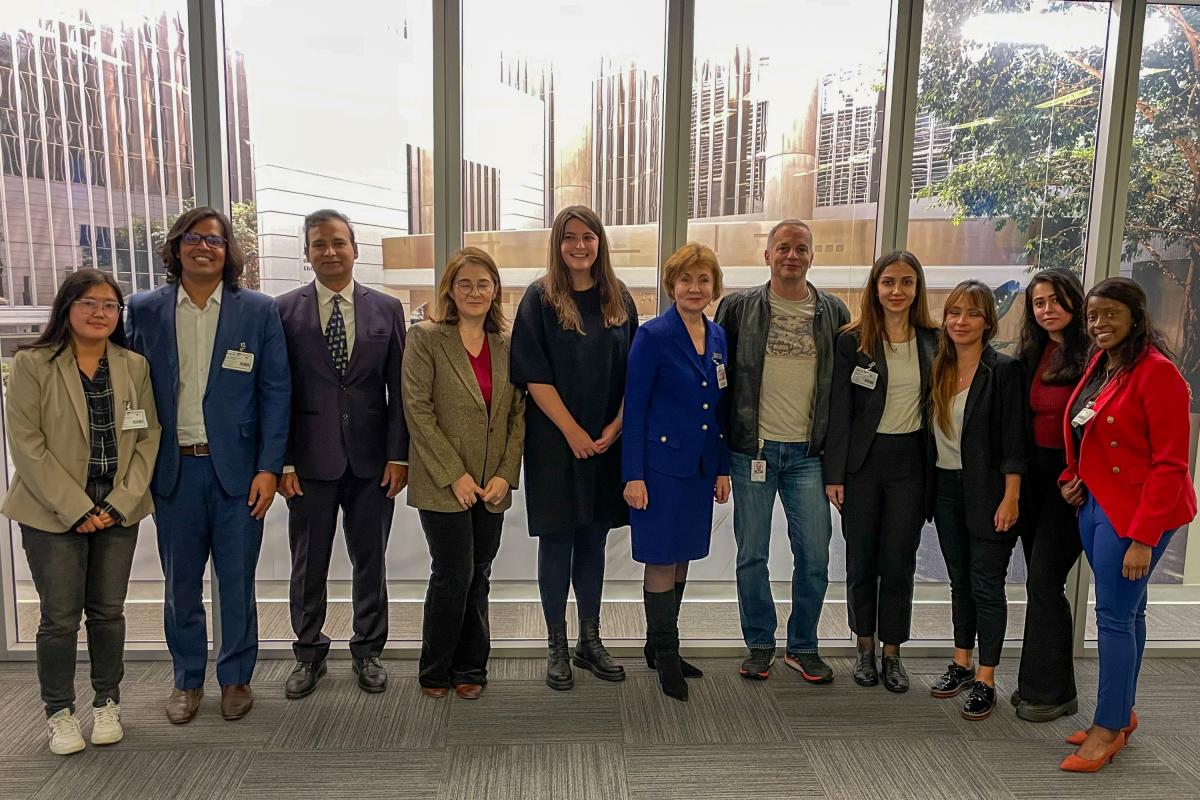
(798, 480)
(199, 519)
(1120, 614)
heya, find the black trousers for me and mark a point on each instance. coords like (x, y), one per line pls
(882, 517)
(456, 636)
(76, 573)
(1050, 538)
(312, 523)
(977, 562)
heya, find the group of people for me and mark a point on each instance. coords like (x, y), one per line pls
(211, 398)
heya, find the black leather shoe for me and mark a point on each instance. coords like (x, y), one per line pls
(865, 671)
(591, 655)
(303, 680)
(1046, 712)
(981, 699)
(895, 676)
(953, 681)
(372, 677)
(1015, 698)
(558, 658)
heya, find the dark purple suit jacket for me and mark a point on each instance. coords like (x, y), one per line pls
(356, 419)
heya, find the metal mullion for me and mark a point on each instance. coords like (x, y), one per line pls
(447, 132)
(677, 107)
(19, 106)
(141, 115)
(66, 136)
(899, 125)
(1106, 212)
(123, 132)
(160, 141)
(106, 140)
(47, 165)
(176, 113)
(86, 129)
(1114, 139)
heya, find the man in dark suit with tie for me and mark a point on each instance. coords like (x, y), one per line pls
(348, 447)
(219, 370)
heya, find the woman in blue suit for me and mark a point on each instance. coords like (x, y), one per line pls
(675, 459)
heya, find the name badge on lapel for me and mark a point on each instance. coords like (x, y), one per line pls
(238, 360)
(865, 376)
(134, 419)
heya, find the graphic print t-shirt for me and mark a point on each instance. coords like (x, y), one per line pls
(789, 371)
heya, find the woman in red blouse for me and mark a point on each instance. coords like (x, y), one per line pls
(1127, 432)
(1053, 350)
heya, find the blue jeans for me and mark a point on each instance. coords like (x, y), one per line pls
(800, 483)
(1120, 614)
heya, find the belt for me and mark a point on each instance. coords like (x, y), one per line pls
(193, 450)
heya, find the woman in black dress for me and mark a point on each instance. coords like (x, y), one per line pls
(570, 342)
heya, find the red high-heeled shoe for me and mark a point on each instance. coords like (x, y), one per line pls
(1073, 763)
(1078, 737)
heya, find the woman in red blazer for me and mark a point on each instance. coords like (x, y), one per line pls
(1127, 469)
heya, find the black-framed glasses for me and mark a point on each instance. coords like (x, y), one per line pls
(110, 308)
(212, 240)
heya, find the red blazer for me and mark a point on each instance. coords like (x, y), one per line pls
(1134, 454)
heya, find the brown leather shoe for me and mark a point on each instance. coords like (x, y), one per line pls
(468, 691)
(183, 704)
(236, 701)
(436, 692)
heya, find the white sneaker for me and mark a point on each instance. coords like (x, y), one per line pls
(107, 727)
(63, 730)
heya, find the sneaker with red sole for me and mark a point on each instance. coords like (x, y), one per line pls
(810, 666)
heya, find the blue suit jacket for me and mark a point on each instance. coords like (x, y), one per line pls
(674, 421)
(245, 413)
(356, 418)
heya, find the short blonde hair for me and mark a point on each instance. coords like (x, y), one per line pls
(690, 255)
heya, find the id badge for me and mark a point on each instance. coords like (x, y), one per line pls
(238, 361)
(722, 379)
(134, 419)
(864, 377)
(1083, 417)
(758, 470)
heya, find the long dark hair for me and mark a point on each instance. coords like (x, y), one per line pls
(556, 283)
(235, 260)
(1068, 361)
(57, 333)
(1143, 335)
(871, 327)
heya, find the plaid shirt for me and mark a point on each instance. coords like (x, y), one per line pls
(102, 463)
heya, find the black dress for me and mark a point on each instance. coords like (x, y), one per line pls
(562, 492)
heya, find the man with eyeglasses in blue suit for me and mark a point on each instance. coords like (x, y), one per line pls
(222, 388)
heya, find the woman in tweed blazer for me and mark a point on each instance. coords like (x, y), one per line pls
(467, 427)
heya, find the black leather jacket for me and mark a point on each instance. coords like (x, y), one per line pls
(746, 318)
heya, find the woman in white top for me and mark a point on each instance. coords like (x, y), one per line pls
(979, 408)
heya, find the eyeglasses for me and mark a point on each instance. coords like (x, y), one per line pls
(212, 240)
(466, 287)
(110, 308)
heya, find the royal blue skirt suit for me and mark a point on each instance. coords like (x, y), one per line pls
(674, 437)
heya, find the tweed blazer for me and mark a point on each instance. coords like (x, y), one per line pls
(451, 431)
(50, 439)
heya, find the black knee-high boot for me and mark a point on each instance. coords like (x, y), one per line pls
(688, 670)
(662, 623)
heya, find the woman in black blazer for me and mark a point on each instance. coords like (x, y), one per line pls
(979, 434)
(875, 460)
(1053, 351)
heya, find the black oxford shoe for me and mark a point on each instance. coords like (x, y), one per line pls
(372, 677)
(865, 671)
(303, 680)
(895, 676)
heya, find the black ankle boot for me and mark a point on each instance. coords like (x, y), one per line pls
(591, 655)
(688, 670)
(558, 657)
(662, 622)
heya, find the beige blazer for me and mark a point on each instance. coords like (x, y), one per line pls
(451, 431)
(49, 439)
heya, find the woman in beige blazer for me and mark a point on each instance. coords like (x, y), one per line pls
(466, 424)
(83, 436)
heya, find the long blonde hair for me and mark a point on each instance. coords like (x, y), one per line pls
(872, 329)
(945, 364)
(556, 283)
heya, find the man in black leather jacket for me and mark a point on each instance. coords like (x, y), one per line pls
(779, 369)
